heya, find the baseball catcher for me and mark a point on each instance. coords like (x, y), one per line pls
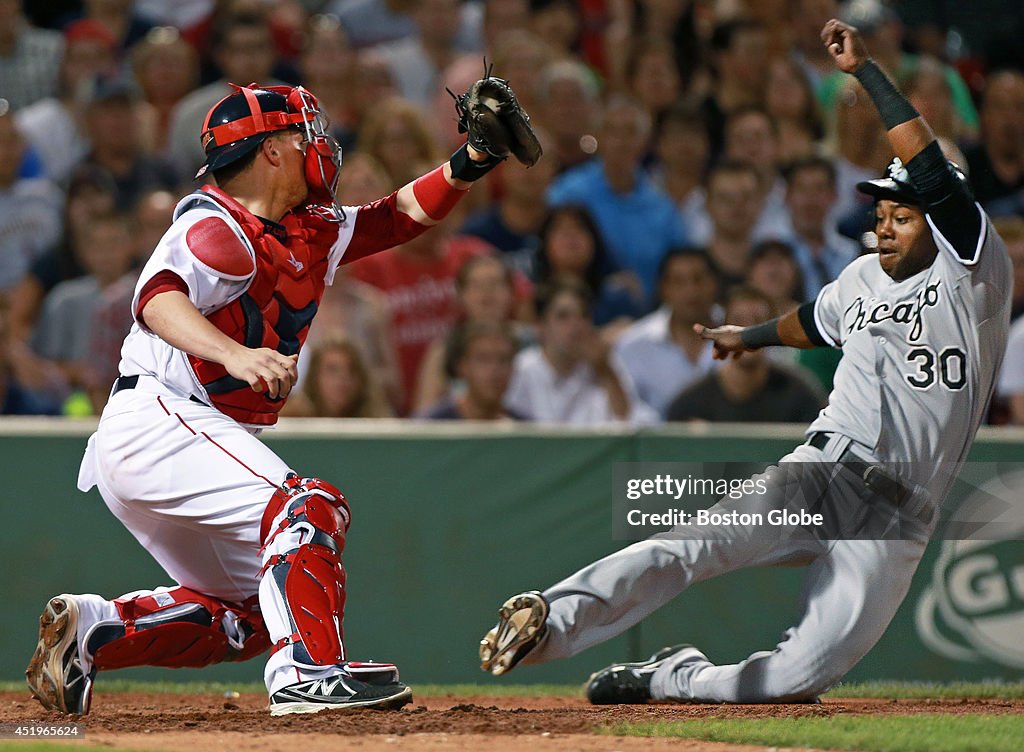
(221, 310)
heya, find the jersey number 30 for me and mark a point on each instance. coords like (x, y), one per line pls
(950, 366)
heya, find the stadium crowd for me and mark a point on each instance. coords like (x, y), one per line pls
(701, 158)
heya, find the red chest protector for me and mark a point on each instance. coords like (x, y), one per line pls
(277, 308)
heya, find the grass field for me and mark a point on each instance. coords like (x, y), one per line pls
(919, 733)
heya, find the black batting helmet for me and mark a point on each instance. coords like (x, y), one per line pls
(896, 184)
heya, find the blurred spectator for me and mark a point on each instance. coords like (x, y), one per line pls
(1011, 230)
(481, 354)
(512, 224)
(739, 50)
(749, 388)
(752, 136)
(29, 58)
(285, 21)
(570, 104)
(418, 60)
(862, 152)
(181, 13)
(91, 192)
(571, 248)
(790, 101)
(396, 135)
(485, 294)
(166, 69)
(733, 207)
(371, 22)
(13, 399)
(29, 208)
(929, 91)
(682, 155)
(370, 85)
(653, 77)
(558, 24)
(633, 26)
(807, 17)
(243, 50)
(150, 220)
(775, 273)
(328, 70)
(53, 126)
(819, 248)
(1011, 377)
(997, 162)
(661, 352)
(119, 18)
(339, 385)
(638, 221)
(111, 124)
(113, 315)
(354, 309)
(65, 327)
(418, 280)
(571, 377)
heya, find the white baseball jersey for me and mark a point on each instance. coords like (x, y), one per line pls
(920, 356)
(209, 289)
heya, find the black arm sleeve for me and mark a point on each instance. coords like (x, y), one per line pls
(806, 314)
(950, 204)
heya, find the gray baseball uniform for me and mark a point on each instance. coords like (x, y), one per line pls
(919, 361)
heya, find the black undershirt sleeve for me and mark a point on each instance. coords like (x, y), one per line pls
(806, 314)
(949, 201)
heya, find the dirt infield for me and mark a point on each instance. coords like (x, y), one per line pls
(449, 723)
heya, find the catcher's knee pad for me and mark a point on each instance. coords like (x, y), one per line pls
(177, 628)
(304, 530)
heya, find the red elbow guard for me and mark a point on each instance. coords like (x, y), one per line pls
(436, 196)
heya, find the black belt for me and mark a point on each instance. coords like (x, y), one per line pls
(875, 477)
(130, 382)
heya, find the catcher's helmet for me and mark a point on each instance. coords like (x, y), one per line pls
(238, 123)
(241, 121)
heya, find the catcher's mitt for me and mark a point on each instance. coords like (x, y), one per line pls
(496, 123)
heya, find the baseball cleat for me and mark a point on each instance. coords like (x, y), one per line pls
(630, 683)
(521, 625)
(55, 674)
(379, 691)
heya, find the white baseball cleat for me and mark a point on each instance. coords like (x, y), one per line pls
(522, 622)
(55, 674)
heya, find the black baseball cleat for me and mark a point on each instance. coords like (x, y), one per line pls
(375, 689)
(630, 683)
(522, 622)
(56, 674)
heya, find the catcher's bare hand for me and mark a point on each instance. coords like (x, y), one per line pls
(845, 45)
(726, 338)
(264, 370)
(495, 121)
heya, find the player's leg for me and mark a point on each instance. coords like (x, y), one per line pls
(612, 594)
(850, 596)
(302, 597)
(193, 488)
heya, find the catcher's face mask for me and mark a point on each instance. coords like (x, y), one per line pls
(228, 141)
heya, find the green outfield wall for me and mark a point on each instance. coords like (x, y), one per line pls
(449, 520)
